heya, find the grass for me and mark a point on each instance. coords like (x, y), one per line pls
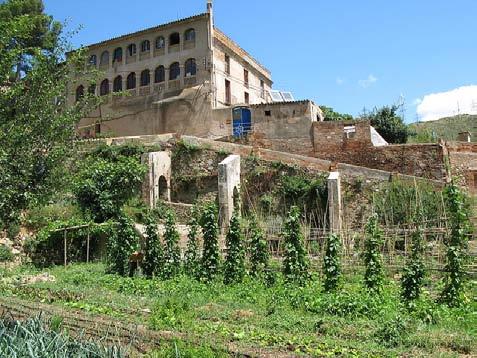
(445, 128)
(251, 315)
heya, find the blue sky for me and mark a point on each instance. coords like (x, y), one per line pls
(346, 54)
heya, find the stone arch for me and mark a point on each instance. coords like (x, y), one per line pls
(163, 188)
(157, 183)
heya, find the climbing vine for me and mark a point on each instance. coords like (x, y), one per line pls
(210, 264)
(234, 266)
(172, 254)
(259, 255)
(332, 263)
(374, 275)
(153, 251)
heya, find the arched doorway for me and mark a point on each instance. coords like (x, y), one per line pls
(163, 188)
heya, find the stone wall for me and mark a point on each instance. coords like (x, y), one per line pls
(463, 162)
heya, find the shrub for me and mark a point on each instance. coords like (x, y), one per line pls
(456, 247)
(191, 257)
(374, 275)
(295, 263)
(259, 255)
(234, 266)
(393, 332)
(121, 245)
(413, 275)
(153, 252)
(210, 263)
(331, 263)
(6, 254)
(172, 253)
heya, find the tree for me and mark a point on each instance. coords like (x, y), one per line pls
(413, 275)
(172, 253)
(295, 263)
(388, 123)
(456, 247)
(234, 266)
(191, 257)
(153, 252)
(331, 263)
(330, 115)
(36, 127)
(210, 263)
(259, 254)
(374, 275)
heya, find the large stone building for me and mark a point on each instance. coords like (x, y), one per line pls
(176, 77)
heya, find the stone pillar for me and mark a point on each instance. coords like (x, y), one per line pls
(157, 183)
(334, 202)
(229, 184)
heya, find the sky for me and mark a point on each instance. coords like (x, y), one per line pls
(346, 54)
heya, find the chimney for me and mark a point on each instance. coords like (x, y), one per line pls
(209, 6)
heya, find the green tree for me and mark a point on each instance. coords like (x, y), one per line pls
(295, 263)
(413, 275)
(374, 274)
(172, 253)
(210, 263)
(121, 244)
(388, 123)
(332, 263)
(153, 252)
(102, 187)
(234, 266)
(457, 244)
(36, 127)
(259, 255)
(191, 257)
(330, 115)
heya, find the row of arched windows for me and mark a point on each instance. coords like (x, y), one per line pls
(190, 68)
(159, 43)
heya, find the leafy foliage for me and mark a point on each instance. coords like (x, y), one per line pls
(330, 115)
(234, 266)
(102, 187)
(374, 274)
(388, 123)
(332, 263)
(210, 264)
(121, 245)
(5, 253)
(456, 247)
(153, 252)
(191, 257)
(259, 255)
(172, 253)
(413, 275)
(295, 263)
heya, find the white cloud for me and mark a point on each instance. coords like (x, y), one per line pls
(462, 100)
(368, 81)
(339, 81)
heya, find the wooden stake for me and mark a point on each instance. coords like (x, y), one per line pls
(87, 247)
(64, 241)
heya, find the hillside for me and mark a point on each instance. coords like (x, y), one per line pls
(445, 128)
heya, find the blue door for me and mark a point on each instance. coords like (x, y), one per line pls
(242, 121)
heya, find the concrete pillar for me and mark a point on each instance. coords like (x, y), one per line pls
(157, 183)
(334, 202)
(229, 183)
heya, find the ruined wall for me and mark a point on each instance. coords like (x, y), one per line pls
(463, 162)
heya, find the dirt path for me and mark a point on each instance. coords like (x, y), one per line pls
(103, 328)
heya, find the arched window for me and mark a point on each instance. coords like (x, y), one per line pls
(118, 55)
(159, 74)
(131, 81)
(174, 39)
(190, 67)
(132, 50)
(79, 92)
(145, 46)
(118, 84)
(104, 88)
(104, 58)
(174, 71)
(92, 60)
(145, 78)
(189, 35)
(160, 42)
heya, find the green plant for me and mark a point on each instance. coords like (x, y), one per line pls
(374, 275)
(172, 253)
(331, 263)
(456, 247)
(153, 252)
(191, 257)
(210, 264)
(121, 244)
(6, 254)
(413, 275)
(259, 255)
(388, 123)
(295, 263)
(393, 332)
(234, 265)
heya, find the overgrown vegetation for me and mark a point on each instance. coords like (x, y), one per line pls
(258, 248)
(234, 265)
(172, 253)
(374, 274)
(210, 262)
(153, 252)
(192, 256)
(332, 263)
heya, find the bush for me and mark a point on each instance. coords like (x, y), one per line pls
(234, 266)
(6, 254)
(392, 333)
